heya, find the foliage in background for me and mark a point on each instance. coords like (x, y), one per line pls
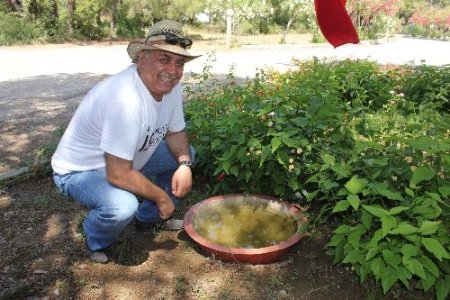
(366, 144)
(374, 18)
(15, 30)
(57, 20)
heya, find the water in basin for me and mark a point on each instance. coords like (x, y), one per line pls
(245, 224)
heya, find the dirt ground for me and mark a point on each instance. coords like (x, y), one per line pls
(42, 248)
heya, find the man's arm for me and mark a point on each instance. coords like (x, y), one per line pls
(178, 144)
(120, 173)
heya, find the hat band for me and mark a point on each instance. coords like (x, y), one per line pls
(173, 39)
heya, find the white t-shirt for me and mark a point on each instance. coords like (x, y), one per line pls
(120, 117)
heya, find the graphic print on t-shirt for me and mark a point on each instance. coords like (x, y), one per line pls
(153, 139)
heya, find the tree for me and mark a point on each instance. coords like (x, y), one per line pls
(294, 9)
(70, 15)
(15, 5)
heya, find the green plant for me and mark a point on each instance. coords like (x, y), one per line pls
(352, 139)
(16, 30)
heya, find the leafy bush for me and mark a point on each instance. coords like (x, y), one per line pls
(364, 143)
(16, 30)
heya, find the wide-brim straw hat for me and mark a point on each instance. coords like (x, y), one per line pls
(156, 40)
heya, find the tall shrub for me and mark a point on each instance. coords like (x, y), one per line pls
(350, 139)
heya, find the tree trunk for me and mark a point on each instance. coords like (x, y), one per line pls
(15, 5)
(113, 25)
(70, 14)
(34, 9)
(283, 38)
(54, 12)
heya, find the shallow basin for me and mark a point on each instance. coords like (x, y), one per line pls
(253, 229)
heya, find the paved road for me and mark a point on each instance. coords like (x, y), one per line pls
(22, 62)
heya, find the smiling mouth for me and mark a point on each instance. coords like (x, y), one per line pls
(167, 77)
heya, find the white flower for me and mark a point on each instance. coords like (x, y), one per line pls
(401, 95)
(299, 150)
(270, 124)
(391, 92)
(258, 152)
(271, 114)
(291, 160)
(291, 168)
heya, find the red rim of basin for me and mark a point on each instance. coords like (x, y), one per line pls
(257, 255)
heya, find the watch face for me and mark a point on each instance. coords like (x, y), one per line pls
(186, 163)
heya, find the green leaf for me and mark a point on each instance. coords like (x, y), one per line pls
(276, 142)
(341, 170)
(328, 159)
(416, 268)
(364, 271)
(377, 236)
(421, 174)
(356, 185)
(341, 206)
(404, 228)
(409, 250)
(387, 223)
(344, 228)
(371, 253)
(266, 152)
(335, 240)
(429, 227)
(378, 267)
(353, 200)
(429, 265)
(354, 237)
(389, 278)
(352, 257)
(444, 190)
(435, 247)
(398, 209)
(215, 143)
(442, 288)
(376, 211)
(366, 219)
(404, 275)
(234, 170)
(383, 190)
(289, 142)
(428, 282)
(409, 192)
(391, 258)
(423, 143)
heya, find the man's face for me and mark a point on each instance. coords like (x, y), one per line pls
(160, 71)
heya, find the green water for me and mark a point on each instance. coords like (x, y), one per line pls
(249, 225)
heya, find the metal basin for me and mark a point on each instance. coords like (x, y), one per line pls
(244, 254)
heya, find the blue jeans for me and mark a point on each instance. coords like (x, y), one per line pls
(111, 208)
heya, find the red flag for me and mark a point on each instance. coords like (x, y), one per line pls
(335, 23)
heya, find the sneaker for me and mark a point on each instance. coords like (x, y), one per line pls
(174, 224)
(97, 256)
(170, 224)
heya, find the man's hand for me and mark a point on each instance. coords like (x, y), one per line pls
(182, 181)
(165, 207)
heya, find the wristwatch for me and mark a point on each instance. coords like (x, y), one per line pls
(188, 163)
